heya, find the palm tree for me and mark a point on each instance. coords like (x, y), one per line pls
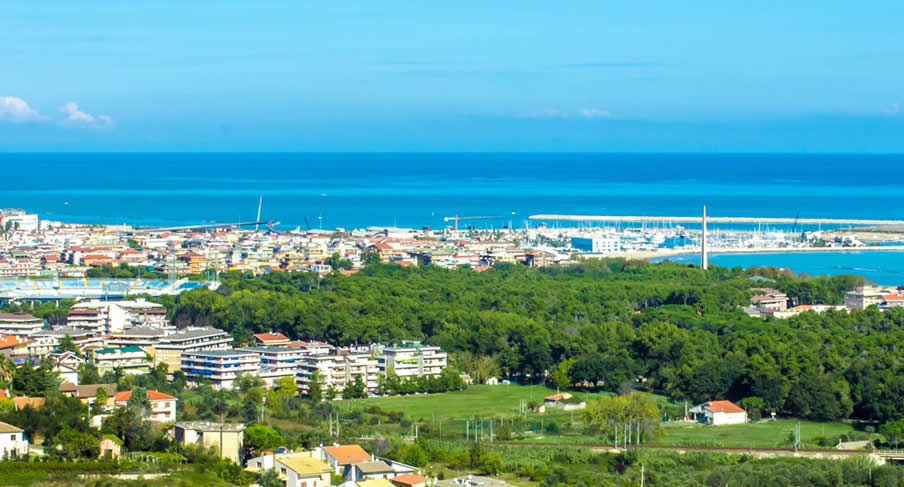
(7, 370)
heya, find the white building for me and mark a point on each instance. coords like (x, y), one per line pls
(19, 324)
(412, 359)
(14, 219)
(276, 362)
(163, 406)
(597, 245)
(131, 360)
(170, 348)
(338, 370)
(865, 297)
(12, 442)
(220, 367)
(720, 412)
(115, 316)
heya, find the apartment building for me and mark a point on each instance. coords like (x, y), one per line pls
(220, 367)
(276, 362)
(865, 297)
(412, 359)
(170, 348)
(19, 324)
(338, 370)
(136, 336)
(46, 341)
(131, 360)
(114, 317)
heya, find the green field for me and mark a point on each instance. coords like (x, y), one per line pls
(476, 401)
(765, 434)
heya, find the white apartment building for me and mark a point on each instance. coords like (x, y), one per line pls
(338, 370)
(46, 341)
(131, 360)
(276, 362)
(19, 324)
(115, 316)
(170, 348)
(412, 359)
(865, 297)
(220, 367)
(12, 442)
(15, 219)
(138, 336)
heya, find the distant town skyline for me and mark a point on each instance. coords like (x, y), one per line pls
(812, 76)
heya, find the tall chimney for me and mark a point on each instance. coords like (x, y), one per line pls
(703, 261)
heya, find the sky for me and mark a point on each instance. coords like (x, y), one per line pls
(607, 76)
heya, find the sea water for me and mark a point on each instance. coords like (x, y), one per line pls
(355, 190)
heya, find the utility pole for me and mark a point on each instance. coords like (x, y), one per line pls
(467, 430)
(641, 475)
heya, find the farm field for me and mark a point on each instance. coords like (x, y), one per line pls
(481, 401)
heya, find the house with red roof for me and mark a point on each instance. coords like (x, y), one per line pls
(271, 339)
(719, 413)
(163, 406)
(341, 456)
(409, 480)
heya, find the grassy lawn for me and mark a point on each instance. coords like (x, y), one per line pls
(764, 434)
(476, 401)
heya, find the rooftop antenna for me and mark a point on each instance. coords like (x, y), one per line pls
(260, 202)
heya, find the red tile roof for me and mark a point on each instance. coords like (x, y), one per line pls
(152, 395)
(347, 453)
(271, 337)
(723, 407)
(409, 479)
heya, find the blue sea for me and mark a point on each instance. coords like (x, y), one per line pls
(356, 190)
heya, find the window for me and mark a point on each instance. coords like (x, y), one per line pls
(12, 437)
(282, 471)
(304, 484)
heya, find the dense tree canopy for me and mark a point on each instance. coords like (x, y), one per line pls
(670, 328)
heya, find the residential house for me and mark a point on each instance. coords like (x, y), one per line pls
(88, 392)
(719, 413)
(340, 457)
(381, 482)
(228, 439)
(302, 471)
(220, 367)
(375, 469)
(12, 442)
(66, 365)
(409, 480)
(163, 406)
(768, 299)
(563, 400)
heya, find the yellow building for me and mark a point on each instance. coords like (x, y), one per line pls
(227, 439)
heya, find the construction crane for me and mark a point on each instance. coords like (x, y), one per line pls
(456, 218)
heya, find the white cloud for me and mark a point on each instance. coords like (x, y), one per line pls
(78, 118)
(15, 109)
(892, 109)
(583, 113)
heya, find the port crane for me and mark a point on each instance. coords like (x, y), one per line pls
(456, 218)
